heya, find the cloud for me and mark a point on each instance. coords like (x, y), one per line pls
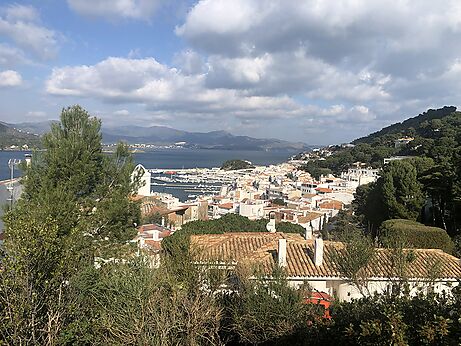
(161, 88)
(114, 9)
(389, 57)
(10, 78)
(21, 25)
(122, 112)
(11, 56)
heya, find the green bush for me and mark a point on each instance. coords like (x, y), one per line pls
(417, 235)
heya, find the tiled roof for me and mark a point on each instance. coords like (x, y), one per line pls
(324, 189)
(260, 249)
(226, 205)
(309, 217)
(333, 204)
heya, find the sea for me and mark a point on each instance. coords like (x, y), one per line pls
(175, 158)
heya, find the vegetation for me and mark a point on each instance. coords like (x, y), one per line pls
(425, 187)
(12, 137)
(416, 235)
(74, 208)
(69, 275)
(232, 165)
(396, 194)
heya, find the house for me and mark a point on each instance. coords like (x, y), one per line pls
(252, 209)
(313, 262)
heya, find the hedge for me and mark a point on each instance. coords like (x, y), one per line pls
(417, 235)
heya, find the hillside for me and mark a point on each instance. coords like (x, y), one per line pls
(10, 136)
(435, 134)
(405, 126)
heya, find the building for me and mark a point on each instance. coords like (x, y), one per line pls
(313, 262)
(145, 180)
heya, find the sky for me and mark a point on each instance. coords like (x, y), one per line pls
(320, 72)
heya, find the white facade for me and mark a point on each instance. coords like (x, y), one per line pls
(145, 181)
(252, 211)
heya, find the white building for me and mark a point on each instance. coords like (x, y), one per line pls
(145, 180)
(252, 209)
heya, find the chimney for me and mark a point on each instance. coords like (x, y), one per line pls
(271, 224)
(308, 233)
(282, 253)
(156, 235)
(318, 251)
(28, 159)
(163, 221)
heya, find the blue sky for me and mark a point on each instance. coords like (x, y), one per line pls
(314, 71)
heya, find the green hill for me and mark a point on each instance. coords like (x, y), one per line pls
(405, 126)
(435, 134)
(10, 136)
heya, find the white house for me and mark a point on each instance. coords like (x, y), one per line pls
(312, 261)
(252, 209)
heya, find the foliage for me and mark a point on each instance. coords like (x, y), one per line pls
(400, 190)
(268, 311)
(278, 201)
(75, 207)
(396, 194)
(352, 260)
(435, 153)
(131, 303)
(416, 235)
(341, 225)
(384, 320)
(231, 165)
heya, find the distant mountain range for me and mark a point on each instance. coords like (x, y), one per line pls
(162, 135)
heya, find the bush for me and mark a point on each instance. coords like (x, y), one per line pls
(416, 235)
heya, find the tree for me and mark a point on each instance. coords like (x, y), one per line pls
(353, 259)
(396, 194)
(401, 191)
(75, 207)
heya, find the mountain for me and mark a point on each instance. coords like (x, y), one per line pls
(162, 135)
(9, 136)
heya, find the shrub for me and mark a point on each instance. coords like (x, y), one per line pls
(416, 235)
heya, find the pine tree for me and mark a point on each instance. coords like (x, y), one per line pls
(75, 207)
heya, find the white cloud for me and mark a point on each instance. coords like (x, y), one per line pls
(10, 78)
(21, 12)
(21, 25)
(122, 112)
(114, 9)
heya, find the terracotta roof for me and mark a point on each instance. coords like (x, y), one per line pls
(309, 195)
(260, 249)
(323, 189)
(331, 205)
(226, 205)
(309, 217)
